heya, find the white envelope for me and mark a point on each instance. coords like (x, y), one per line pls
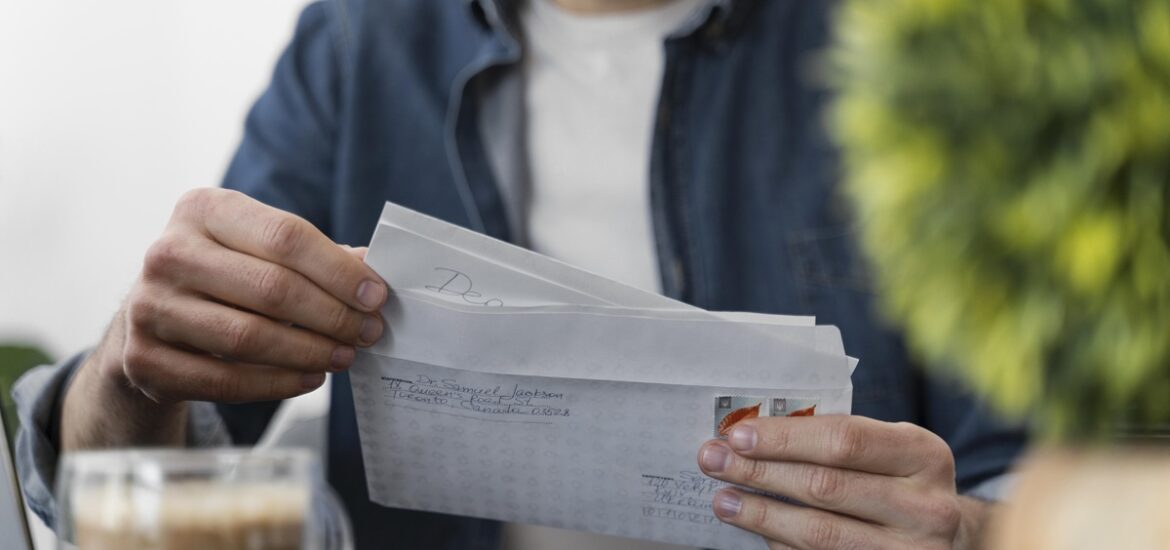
(593, 455)
(513, 387)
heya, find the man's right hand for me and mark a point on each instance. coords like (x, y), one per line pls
(236, 302)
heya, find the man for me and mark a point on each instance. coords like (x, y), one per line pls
(678, 146)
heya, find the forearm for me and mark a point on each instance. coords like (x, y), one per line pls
(101, 408)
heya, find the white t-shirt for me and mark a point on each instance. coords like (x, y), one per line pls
(591, 86)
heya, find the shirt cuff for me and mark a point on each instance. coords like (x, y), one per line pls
(38, 395)
(995, 489)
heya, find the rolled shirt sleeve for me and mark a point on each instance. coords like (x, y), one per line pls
(38, 396)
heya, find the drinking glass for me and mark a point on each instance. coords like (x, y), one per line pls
(177, 499)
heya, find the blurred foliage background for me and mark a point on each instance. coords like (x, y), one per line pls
(15, 359)
(1009, 163)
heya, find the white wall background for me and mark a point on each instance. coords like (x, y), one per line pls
(108, 112)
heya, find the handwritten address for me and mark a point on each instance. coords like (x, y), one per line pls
(685, 496)
(513, 400)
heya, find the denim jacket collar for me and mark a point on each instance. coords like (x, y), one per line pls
(720, 17)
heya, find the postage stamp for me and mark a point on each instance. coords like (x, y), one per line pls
(730, 409)
(782, 406)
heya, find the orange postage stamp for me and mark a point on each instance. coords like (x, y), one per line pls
(730, 409)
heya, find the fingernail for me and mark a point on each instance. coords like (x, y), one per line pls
(342, 358)
(371, 329)
(742, 438)
(312, 380)
(727, 504)
(371, 294)
(715, 458)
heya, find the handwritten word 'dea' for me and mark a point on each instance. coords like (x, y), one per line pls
(459, 284)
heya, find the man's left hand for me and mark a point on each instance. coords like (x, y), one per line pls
(865, 484)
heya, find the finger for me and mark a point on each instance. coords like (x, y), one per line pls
(356, 252)
(877, 498)
(291, 241)
(243, 336)
(796, 526)
(169, 375)
(260, 286)
(853, 442)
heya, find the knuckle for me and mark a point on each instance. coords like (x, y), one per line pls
(167, 254)
(142, 310)
(942, 458)
(847, 443)
(194, 202)
(943, 514)
(754, 472)
(341, 323)
(341, 276)
(826, 486)
(312, 351)
(273, 287)
(227, 388)
(757, 516)
(935, 450)
(139, 365)
(780, 440)
(275, 388)
(823, 532)
(944, 461)
(136, 360)
(162, 394)
(241, 336)
(914, 433)
(282, 236)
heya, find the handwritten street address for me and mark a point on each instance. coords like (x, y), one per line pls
(685, 496)
(514, 400)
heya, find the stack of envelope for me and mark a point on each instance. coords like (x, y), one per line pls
(515, 387)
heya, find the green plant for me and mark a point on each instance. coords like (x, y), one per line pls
(1009, 161)
(14, 361)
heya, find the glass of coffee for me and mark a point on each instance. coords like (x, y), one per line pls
(173, 499)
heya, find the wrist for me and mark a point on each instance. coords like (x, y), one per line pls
(973, 519)
(103, 409)
(101, 376)
(103, 371)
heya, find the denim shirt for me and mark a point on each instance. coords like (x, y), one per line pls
(417, 102)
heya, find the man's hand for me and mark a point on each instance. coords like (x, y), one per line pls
(236, 302)
(866, 484)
